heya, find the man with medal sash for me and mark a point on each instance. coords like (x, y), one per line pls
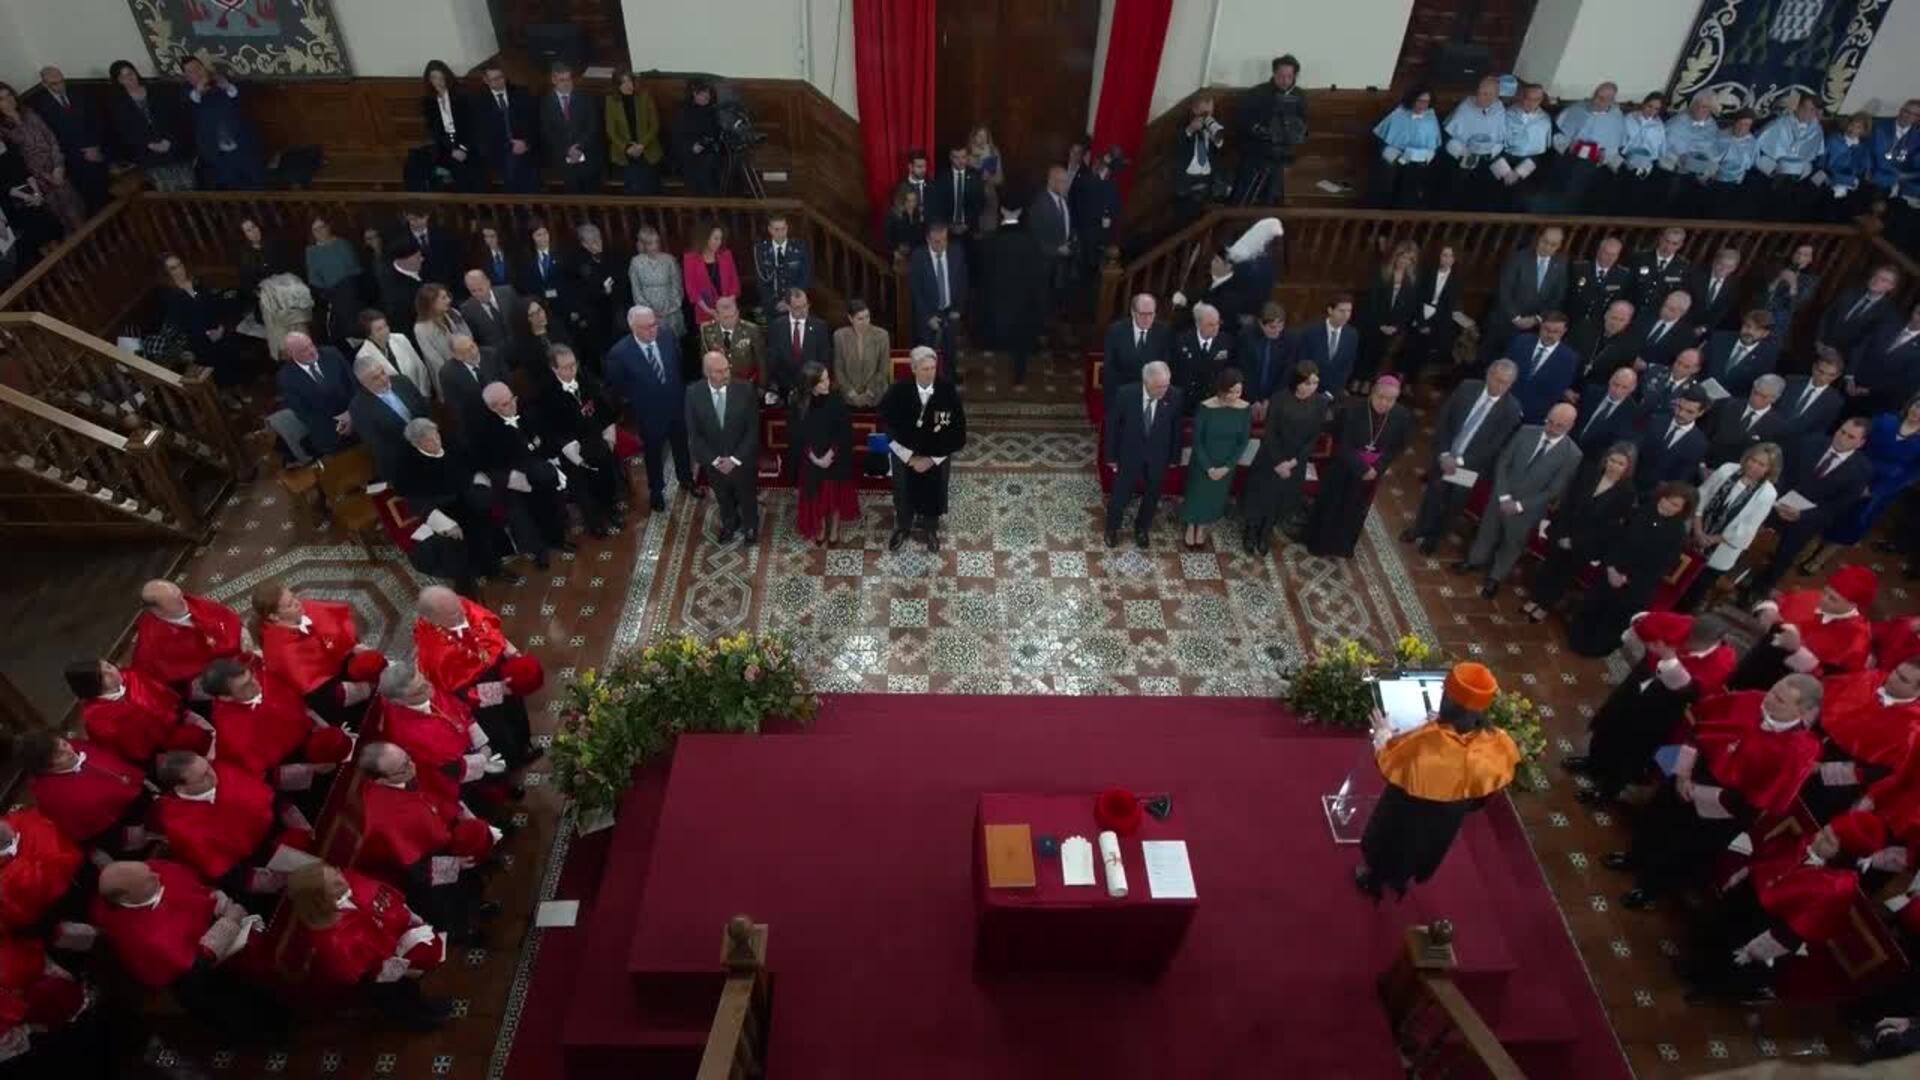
(460, 648)
(925, 426)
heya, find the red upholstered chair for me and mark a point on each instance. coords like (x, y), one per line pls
(1093, 387)
(1677, 583)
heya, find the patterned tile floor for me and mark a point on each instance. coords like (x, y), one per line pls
(1024, 598)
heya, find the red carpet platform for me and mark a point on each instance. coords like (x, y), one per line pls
(852, 842)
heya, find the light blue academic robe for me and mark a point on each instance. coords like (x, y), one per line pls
(1736, 155)
(1527, 135)
(1692, 145)
(1790, 148)
(1472, 130)
(1579, 123)
(1643, 142)
(1406, 138)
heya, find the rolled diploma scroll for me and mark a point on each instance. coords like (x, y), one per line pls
(1110, 855)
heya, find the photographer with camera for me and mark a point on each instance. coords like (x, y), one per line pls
(697, 149)
(1273, 116)
(1195, 182)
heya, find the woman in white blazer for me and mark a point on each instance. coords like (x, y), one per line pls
(439, 323)
(395, 351)
(1734, 502)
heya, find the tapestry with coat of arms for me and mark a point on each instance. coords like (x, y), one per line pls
(1760, 54)
(284, 38)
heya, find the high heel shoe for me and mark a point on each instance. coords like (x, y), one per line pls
(1367, 883)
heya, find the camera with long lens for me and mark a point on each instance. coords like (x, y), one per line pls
(737, 130)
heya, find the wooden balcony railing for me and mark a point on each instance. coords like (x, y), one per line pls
(61, 474)
(89, 377)
(1326, 251)
(1435, 1028)
(737, 1041)
(94, 278)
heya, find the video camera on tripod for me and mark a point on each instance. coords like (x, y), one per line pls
(738, 133)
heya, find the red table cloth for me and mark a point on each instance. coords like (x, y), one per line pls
(1056, 927)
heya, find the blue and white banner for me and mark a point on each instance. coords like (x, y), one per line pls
(1758, 54)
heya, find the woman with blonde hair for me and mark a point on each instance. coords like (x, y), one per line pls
(362, 936)
(655, 277)
(1734, 503)
(437, 323)
(1387, 310)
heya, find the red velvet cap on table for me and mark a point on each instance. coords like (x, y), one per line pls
(1117, 809)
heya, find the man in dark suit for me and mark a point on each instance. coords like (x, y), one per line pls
(576, 412)
(1832, 481)
(546, 277)
(82, 134)
(507, 120)
(1659, 270)
(1594, 286)
(1736, 360)
(925, 422)
(643, 370)
(779, 263)
(523, 463)
(1716, 293)
(1734, 427)
(1812, 405)
(1198, 352)
(315, 384)
(1607, 414)
(917, 180)
(937, 277)
(1663, 331)
(1532, 282)
(1606, 344)
(957, 195)
(1142, 439)
(463, 381)
(1475, 424)
(571, 132)
(794, 340)
(1672, 446)
(1013, 297)
(1885, 370)
(492, 313)
(1094, 200)
(1265, 355)
(439, 252)
(1051, 221)
(1332, 344)
(1546, 365)
(1529, 475)
(400, 282)
(380, 411)
(723, 432)
(1131, 344)
(1855, 313)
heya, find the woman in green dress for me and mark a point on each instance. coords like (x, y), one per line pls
(1221, 427)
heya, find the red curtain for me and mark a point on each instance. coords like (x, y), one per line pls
(893, 82)
(1126, 86)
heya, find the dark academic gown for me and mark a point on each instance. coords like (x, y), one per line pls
(445, 483)
(1841, 645)
(538, 518)
(1642, 713)
(1435, 776)
(1588, 520)
(1645, 551)
(315, 662)
(937, 430)
(1015, 290)
(459, 663)
(38, 874)
(176, 655)
(582, 415)
(1340, 510)
(143, 722)
(103, 793)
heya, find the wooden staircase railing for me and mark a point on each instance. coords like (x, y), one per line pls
(1435, 1028)
(90, 377)
(737, 1041)
(94, 278)
(61, 474)
(1326, 251)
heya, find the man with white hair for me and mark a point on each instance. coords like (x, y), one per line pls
(1133, 341)
(315, 385)
(1198, 352)
(723, 431)
(381, 409)
(925, 425)
(457, 537)
(462, 650)
(643, 369)
(515, 452)
(1141, 440)
(1733, 427)
(1530, 474)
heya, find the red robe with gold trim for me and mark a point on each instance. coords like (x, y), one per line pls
(144, 722)
(159, 944)
(177, 654)
(1867, 730)
(262, 736)
(437, 741)
(453, 662)
(213, 837)
(402, 825)
(1814, 901)
(353, 949)
(1766, 768)
(38, 873)
(1896, 641)
(1841, 645)
(88, 802)
(308, 661)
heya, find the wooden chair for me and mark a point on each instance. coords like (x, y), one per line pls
(342, 480)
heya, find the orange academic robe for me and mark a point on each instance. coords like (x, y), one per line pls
(88, 801)
(213, 837)
(177, 654)
(37, 874)
(144, 722)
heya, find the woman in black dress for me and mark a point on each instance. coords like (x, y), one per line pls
(1638, 559)
(823, 435)
(150, 131)
(1279, 467)
(261, 256)
(1431, 330)
(534, 349)
(443, 109)
(34, 226)
(1584, 524)
(906, 227)
(206, 318)
(1368, 436)
(1389, 303)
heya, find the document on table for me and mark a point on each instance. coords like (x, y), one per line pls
(1407, 703)
(287, 859)
(1169, 874)
(1795, 501)
(1466, 478)
(1714, 390)
(557, 913)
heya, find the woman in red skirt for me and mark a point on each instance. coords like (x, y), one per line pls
(823, 434)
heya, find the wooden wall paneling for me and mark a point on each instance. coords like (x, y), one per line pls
(1050, 44)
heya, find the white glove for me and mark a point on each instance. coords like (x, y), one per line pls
(353, 693)
(495, 765)
(1839, 773)
(444, 869)
(606, 436)
(571, 452)
(492, 693)
(473, 767)
(392, 969)
(517, 481)
(1706, 803)
(1764, 949)
(482, 479)
(1179, 299)
(1819, 177)
(1390, 154)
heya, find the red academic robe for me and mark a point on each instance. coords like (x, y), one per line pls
(1869, 732)
(401, 826)
(144, 722)
(1766, 768)
(159, 944)
(29, 993)
(308, 661)
(36, 875)
(1896, 641)
(1814, 901)
(453, 662)
(213, 837)
(177, 654)
(87, 802)
(1840, 645)
(438, 741)
(353, 949)
(1896, 801)
(265, 735)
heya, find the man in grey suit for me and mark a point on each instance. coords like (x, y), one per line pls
(1474, 427)
(723, 433)
(1532, 283)
(492, 311)
(1537, 465)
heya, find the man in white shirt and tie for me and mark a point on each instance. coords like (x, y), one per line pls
(1475, 424)
(938, 277)
(1663, 334)
(1532, 472)
(1735, 360)
(723, 433)
(571, 130)
(1716, 291)
(1828, 485)
(317, 389)
(1886, 368)
(507, 133)
(1052, 226)
(1132, 342)
(643, 370)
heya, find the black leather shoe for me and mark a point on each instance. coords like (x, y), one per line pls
(933, 540)
(657, 501)
(1463, 567)
(1617, 860)
(899, 537)
(751, 536)
(1428, 546)
(541, 562)
(725, 537)
(1637, 900)
(1113, 537)
(1142, 541)
(1576, 763)
(1489, 590)
(1260, 547)
(569, 546)
(1408, 536)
